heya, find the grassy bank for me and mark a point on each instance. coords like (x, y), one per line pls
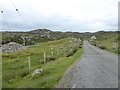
(52, 57)
(107, 44)
(107, 41)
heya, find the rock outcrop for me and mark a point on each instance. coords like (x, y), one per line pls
(12, 47)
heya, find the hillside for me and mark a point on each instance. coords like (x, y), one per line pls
(36, 36)
(47, 56)
(107, 41)
(40, 66)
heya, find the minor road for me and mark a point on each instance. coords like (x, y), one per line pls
(95, 69)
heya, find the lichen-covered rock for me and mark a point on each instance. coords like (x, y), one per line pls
(37, 71)
(12, 47)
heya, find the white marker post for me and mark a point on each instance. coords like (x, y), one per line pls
(52, 53)
(44, 57)
(29, 62)
(51, 50)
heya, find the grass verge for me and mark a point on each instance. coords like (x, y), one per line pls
(53, 72)
(107, 45)
(15, 65)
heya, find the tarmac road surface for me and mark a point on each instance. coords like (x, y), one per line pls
(95, 69)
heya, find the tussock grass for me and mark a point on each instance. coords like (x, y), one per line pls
(16, 73)
(109, 42)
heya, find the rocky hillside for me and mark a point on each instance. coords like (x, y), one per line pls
(42, 35)
(36, 36)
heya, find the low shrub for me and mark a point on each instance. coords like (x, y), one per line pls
(24, 73)
(80, 46)
(102, 47)
(70, 52)
(22, 66)
(16, 60)
(94, 44)
(50, 58)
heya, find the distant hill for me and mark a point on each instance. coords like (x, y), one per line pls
(106, 35)
(36, 36)
(43, 35)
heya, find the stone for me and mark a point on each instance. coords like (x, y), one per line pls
(37, 71)
(12, 47)
(93, 37)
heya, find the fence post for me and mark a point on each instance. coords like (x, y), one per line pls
(29, 62)
(52, 53)
(44, 57)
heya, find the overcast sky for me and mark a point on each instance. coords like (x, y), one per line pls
(59, 15)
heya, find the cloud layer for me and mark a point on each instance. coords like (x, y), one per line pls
(60, 15)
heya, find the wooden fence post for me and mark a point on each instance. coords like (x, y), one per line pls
(52, 53)
(44, 57)
(29, 62)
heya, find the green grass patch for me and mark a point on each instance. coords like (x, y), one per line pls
(53, 71)
(16, 73)
(108, 41)
(109, 44)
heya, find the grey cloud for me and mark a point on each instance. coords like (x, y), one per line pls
(35, 20)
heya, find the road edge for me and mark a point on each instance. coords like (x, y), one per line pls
(61, 82)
